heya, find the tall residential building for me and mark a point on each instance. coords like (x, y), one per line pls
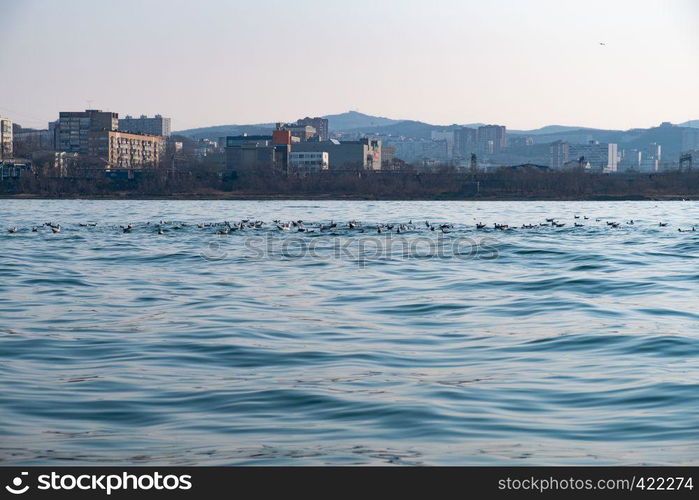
(600, 156)
(465, 142)
(559, 154)
(492, 139)
(631, 159)
(320, 124)
(157, 125)
(121, 150)
(302, 132)
(5, 138)
(650, 162)
(448, 137)
(74, 127)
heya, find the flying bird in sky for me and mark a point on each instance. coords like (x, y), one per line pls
(602, 43)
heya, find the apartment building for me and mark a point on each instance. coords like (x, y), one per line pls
(123, 150)
(74, 128)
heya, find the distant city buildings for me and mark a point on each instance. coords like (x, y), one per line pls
(650, 162)
(448, 137)
(321, 126)
(630, 159)
(600, 156)
(559, 155)
(157, 125)
(100, 139)
(203, 148)
(492, 139)
(465, 142)
(6, 138)
(416, 150)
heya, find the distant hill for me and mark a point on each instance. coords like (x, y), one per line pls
(223, 130)
(690, 123)
(354, 119)
(548, 129)
(339, 122)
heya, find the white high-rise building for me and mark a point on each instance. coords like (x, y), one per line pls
(604, 157)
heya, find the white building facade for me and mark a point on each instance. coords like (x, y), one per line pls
(310, 162)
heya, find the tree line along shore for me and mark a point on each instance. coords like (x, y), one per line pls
(446, 183)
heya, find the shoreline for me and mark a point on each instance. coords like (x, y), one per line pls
(282, 197)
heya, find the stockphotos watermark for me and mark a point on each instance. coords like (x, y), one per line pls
(356, 249)
(104, 483)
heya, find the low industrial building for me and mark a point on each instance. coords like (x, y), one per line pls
(363, 154)
(308, 163)
(251, 152)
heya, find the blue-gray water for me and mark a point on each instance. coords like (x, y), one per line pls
(572, 345)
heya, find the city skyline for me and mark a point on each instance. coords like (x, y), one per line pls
(525, 65)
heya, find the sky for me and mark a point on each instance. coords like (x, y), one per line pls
(524, 64)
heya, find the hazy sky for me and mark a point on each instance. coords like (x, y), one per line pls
(521, 63)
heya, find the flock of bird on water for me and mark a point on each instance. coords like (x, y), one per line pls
(227, 227)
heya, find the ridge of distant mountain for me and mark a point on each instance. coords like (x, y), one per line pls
(549, 129)
(337, 122)
(355, 119)
(690, 123)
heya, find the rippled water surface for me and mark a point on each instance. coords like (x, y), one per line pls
(550, 345)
